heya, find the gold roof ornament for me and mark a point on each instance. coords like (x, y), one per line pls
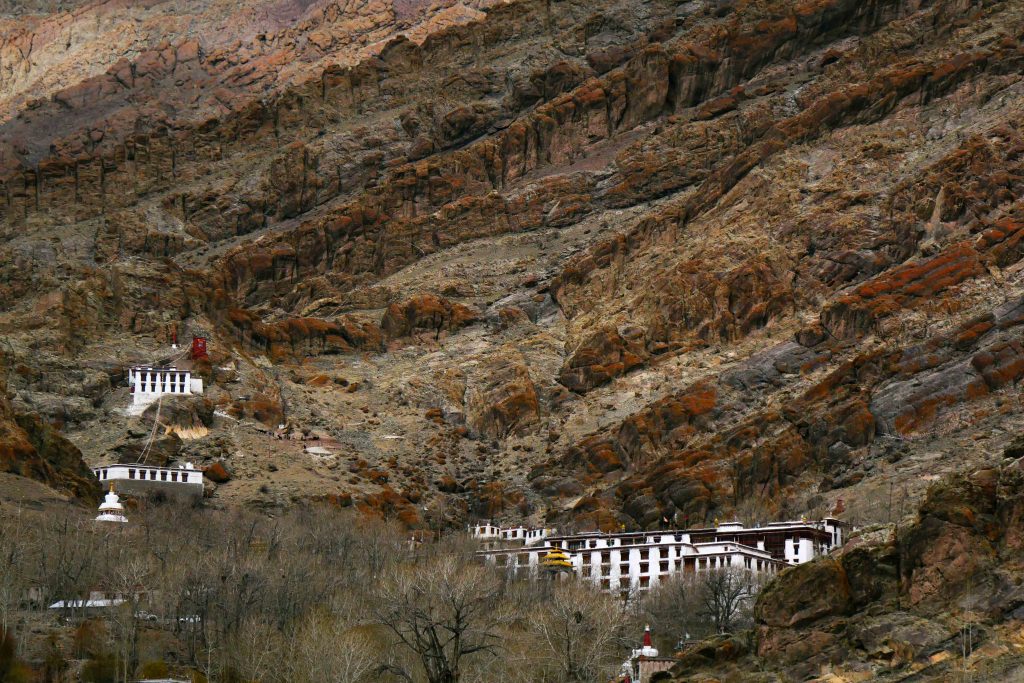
(557, 560)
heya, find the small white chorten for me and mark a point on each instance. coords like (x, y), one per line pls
(111, 509)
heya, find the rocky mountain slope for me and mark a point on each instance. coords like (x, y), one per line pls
(32, 449)
(939, 599)
(604, 262)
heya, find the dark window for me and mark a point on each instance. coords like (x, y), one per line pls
(131, 474)
(664, 565)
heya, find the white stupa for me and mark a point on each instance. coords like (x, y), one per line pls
(111, 509)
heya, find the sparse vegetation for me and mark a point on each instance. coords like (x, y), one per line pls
(317, 594)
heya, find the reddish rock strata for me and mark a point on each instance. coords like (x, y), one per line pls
(596, 261)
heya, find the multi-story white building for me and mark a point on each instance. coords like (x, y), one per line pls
(147, 384)
(641, 560)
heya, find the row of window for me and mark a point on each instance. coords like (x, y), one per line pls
(662, 567)
(154, 475)
(158, 385)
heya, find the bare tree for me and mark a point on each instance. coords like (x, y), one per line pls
(442, 611)
(67, 560)
(582, 633)
(326, 650)
(127, 580)
(725, 597)
(256, 650)
(673, 610)
(13, 570)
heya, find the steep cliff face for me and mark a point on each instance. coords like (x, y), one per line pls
(935, 600)
(31, 448)
(604, 262)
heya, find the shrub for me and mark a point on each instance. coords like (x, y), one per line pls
(7, 650)
(154, 669)
(89, 638)
(100, 669)
(55, 664)
(18, 673)
(11, 670)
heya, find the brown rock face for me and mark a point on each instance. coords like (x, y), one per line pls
(894, 597)
(302, 337)
(31, 448)
(602, 357)
(604, 262)
(426, 312)
(501, 398)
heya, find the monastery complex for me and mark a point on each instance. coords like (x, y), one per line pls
(638, 561)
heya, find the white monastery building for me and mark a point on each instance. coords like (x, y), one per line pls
(183, 480)
(619, 562)
(493, 536)
(147, 384)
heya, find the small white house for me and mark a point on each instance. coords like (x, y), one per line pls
(147, 384)
(183, 480)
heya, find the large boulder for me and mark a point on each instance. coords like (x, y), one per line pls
(217, 472)
(188, 417)
(821, 590)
